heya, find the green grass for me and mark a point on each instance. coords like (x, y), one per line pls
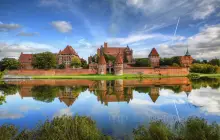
(215, 75)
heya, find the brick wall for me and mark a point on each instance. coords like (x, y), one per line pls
(177, 71)
(52, 72)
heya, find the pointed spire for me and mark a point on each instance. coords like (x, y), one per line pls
(187, 52)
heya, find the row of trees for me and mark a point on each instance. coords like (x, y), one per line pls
(203, 68)
(45, 60)
(214, 62)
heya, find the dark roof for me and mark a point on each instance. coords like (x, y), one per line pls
(187, 53)
(25, 58)
(102, 60)
(68, 50)
(153, 52)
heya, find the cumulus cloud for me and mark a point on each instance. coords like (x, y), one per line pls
(27, 34)
(8, 27)
(204, 45)
(10, 115)
(197, 9)
(62, 26)
(14, 50)
(64, 111)
(208, 100)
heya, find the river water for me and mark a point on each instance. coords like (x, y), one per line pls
(117, 106)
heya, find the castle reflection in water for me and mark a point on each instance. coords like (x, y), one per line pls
(67, 91)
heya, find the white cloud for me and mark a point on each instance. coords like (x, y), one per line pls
(10, 115)
(204, 45)
(64, 111)
(62, 26)
(14, 50)
(27, 34)
(8, 27)
(207, 99)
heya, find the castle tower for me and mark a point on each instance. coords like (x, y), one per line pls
(118, 67)
(154, 93)
(186, 61)
(128, 55)
(154, 58)
(101, 63)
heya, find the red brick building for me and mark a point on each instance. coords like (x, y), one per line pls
(25, 61)
(154, 58)
(125, 52)
(63, 57)
(186, 61)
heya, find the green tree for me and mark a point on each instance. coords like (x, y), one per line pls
(44, 93)
(2, 99)
(203, 68)
(45, 60)
(84, 63)
(142, 62)
(61, 66)
(8, 89)
(215, 62)
(76, 62)
(9, 63)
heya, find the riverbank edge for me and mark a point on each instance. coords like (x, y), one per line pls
(107, 76)
(92, 77)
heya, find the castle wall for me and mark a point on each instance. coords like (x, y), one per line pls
(52, 72)
(118, 69)
(101, 69)
(174, 71)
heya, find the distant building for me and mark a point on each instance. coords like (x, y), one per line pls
(63, 57)
(125, 52)
(154, 58)
(25, 61)
(186, 61)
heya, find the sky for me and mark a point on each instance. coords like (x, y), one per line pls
(33, 26)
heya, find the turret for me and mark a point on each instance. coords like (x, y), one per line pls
(101, 63)
(154, 58)
(118, 66)
(186, 61)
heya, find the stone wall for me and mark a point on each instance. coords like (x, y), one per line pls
(175, 71)
(52, 72)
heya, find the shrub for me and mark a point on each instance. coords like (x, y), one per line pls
(45, 60)
(203, 68)
(62, 128)
(61, 66)
(9, 64)
(76, 62)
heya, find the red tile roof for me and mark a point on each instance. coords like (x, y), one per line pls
(25, 58)
(102, 60)
(153, 52)
(118, 59)
(68, 50)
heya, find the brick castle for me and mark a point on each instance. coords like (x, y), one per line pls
(122, 64)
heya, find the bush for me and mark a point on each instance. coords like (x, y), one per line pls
(203, 68)
(61, 66)
(62, 128)
(193, 128)
(9, 64)
(76, 62)
(45, 60)
(2, 99)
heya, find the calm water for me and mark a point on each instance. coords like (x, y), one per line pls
(117, 106)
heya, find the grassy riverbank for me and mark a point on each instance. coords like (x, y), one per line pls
(198, 75)
(84, 128)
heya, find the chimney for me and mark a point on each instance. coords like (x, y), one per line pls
(105, 44)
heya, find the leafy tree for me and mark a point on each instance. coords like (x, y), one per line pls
(109, 58)
(215, 62)
(170, 61)
(2, 99)
(8, 89)
(45, 60)
(61, 66)
(203, 68)
(76, 62)
(9, 63)
(84, 63)
(44, 93)
(175, 65)
(142, 62)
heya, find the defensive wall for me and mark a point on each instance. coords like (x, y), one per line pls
(53, 72)
(166, 71)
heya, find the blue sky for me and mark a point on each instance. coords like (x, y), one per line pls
(40, 25)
